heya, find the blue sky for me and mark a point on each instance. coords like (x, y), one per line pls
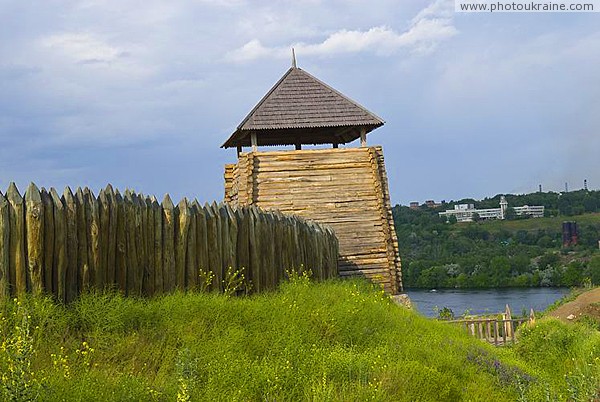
(141, 94)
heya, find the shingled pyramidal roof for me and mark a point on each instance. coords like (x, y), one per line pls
(300, 109)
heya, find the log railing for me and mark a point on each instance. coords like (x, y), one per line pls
(497, 331)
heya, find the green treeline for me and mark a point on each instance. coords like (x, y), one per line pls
(510, 253)
(565, 204)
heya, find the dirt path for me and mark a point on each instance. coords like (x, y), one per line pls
(573, 309)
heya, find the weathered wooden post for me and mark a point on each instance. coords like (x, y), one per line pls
(34, 221)
(150, 278)
(182, 232)
(242, 243)
(143, 243)
(213, 243)
(104, 240)
(139, 243)
(96, 276)
(71, 281)
(232, 237)
(158, 246)
(18, 262)
(83, 267)
(508, 327)
(255, 252)
(191, 269)
(202, 251)
(109, 217)
(60, 262)
(169, 277)
(220, 269)
(121, 245)
(531, 317)
(4, 248)
(48, 266)
(131, 229)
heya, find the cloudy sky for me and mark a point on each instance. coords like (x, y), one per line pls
(141, 94)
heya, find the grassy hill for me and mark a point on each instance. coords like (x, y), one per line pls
(334, 341)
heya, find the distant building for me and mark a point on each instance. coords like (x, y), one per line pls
(569, 234)
(414, 205)
(432, 204)
(534, 211)
(466, 212)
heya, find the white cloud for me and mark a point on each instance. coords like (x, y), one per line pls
(82, 47)
(431, 26)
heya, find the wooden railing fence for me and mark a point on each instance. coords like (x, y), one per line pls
(495, 330)
(62, 245)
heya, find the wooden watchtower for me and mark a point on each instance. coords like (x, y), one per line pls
(345, 188)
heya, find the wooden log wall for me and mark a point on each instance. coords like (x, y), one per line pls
(344, 188)
(66, 244)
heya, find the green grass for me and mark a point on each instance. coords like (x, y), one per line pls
(338, 340)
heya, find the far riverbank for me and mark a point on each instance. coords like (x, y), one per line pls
(484, 301)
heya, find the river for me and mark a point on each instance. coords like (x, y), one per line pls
(483, 301)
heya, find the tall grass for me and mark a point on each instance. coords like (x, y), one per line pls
(338, 340)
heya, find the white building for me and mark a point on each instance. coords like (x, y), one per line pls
(465, 212)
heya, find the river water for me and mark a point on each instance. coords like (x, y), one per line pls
(484, 301)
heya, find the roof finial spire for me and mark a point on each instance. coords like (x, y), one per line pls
(293, 58)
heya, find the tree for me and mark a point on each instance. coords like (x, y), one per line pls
(510, 213)
(593, 270)
(573, 274)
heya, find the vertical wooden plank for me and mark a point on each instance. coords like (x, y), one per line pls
(149, 279)
(158, 246)
(269, 250)
(202, 262)
(255, 260)
(278, 245)
(212, 245)
(139, 244)
(60, 261)
(220, 269)
(225, 240)
(4, 248)
(18, 262)
(333, 253)
(111, 251)
(182, 232)
(242, 247)
(316, 256)
(285, 247)
(104, 235)
(143, 244)
(191, 270)
(72, 246)
(48, 267)
(34, 229)
(168, 211)
(496, 332)
(132, 252)
(233, 235)
(121, 259)
(83, 272)
(97, 276)
(290, 245)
